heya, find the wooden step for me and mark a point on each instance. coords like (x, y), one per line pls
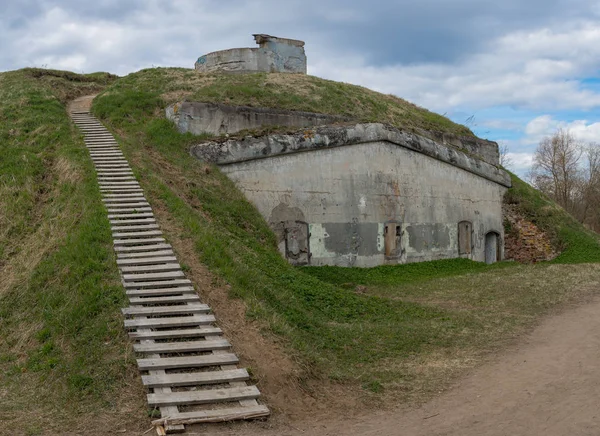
(157, 284)
(130, 216)
(132, 210)
(165, 310)
(216, 415)
(148, 277)
(158, 250)
(142, 250)
(137, 198)
(195, 378)
(187, 361)
(182, 347)
(163, 267)
(133, 205)
(185, 298)
(134, 221)
(136, 227)
(122, 195)
(140, 241)
(146, 261)
(160, 291)
(203, 397)
(138, 234)
(197, 332)
(180, 321)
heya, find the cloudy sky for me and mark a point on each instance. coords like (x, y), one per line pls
(512, 70)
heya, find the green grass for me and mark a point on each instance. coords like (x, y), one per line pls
(285, 91)
(376, 337)
(63, 351)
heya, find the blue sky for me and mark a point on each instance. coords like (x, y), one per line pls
(514, 71)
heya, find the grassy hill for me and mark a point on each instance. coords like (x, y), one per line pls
(63, 352)
(284, 91)
(395, 333)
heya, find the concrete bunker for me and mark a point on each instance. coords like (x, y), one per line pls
(273, 55)
(367, 194)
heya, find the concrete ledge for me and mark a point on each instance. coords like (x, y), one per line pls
(219, 119)
(251, 148)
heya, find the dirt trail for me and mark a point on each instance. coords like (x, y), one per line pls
(549, 384)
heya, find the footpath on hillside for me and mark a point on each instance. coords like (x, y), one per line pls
(548, 384)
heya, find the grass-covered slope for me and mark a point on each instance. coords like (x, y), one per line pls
(63, 355)
(404, 329)
(286, 91)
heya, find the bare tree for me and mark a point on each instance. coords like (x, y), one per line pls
(505, 160)
(556, 169)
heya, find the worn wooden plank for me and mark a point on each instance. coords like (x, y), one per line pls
(195, 378)
(137, 234)
(197, 332)
(185, 298)
(164, 267)
(139, 198)
(140, 241)
(146, 277)
(129, 216)
(179, 321)
(128, 205)
(187, 361)
(159, 291)
(203, 397)
(166, 310)
(157, 284)
(132, 210)
(182, 347)
(146, 261)
(134, 227)
(215, 415)
(161, 250)
(142, 250)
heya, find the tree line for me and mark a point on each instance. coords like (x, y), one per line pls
(568, 171)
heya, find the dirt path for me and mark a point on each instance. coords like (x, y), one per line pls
(548, 385)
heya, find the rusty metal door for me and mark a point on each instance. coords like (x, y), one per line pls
(465, 237)
(297, 245)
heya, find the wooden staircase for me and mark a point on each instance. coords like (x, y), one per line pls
(186, 365)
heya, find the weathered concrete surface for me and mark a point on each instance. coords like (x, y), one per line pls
(483, 149)
(362, 187)
(251, 148)
(218, 119)
(274, 55)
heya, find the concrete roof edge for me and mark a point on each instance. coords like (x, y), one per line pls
(251, 148)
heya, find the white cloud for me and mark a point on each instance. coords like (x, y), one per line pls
(537, 70)
(546, 125)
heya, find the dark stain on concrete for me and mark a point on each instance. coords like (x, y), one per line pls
(352, 238)
(424, 237)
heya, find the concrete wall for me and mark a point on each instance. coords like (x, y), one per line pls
(197, 118)
(274, 55)
(235, 60)
(347, 196)
(481, 148)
